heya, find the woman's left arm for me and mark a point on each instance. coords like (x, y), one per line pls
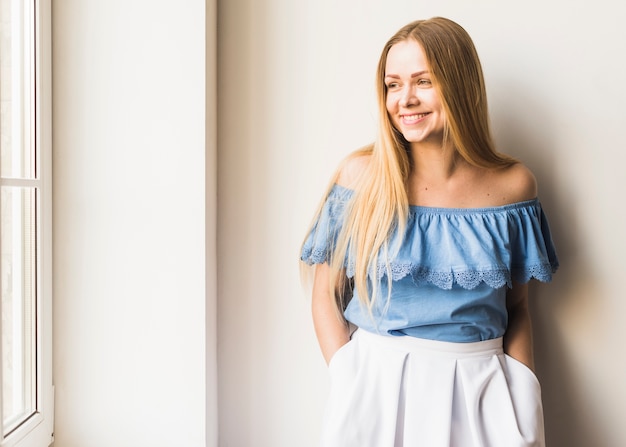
(518, 336)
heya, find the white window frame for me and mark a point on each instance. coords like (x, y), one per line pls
(38, 430)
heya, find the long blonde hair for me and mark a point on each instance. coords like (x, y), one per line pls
(379, 206)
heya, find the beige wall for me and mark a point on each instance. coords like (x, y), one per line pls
(296, 94)
(134, 223)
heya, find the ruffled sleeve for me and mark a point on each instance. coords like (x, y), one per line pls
(467, 247)
(448, 246)
(534, 254)
(322, 239)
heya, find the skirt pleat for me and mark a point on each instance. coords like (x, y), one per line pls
(408, 392)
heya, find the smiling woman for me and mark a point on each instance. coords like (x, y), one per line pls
(424, 244)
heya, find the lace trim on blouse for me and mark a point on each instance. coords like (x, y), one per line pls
(446, 246)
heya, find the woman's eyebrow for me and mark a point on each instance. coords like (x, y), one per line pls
(414, 75)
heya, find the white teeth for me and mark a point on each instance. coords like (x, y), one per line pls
(414, 117)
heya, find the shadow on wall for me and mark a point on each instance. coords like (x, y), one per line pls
(532, 139)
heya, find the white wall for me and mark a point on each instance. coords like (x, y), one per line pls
(134, 183)
(296, 94)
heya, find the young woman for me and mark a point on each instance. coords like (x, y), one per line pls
(423, 245)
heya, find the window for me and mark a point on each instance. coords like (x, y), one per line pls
(25, 224)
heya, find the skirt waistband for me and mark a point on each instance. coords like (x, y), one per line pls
(432, 347)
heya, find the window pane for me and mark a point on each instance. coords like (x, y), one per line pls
(19, 281)
(16, 89)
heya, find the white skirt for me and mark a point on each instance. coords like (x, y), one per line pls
(410, 392)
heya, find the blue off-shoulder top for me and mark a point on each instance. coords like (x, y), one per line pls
(450, 275)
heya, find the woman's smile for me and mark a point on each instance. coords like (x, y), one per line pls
(407, 120)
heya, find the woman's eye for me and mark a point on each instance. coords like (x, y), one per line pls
(392, 85)
(423, 82)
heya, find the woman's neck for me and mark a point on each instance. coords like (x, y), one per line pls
(433, 162)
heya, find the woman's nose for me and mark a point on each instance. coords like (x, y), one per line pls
(408, 97)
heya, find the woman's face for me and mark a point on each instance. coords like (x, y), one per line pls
(413, 102)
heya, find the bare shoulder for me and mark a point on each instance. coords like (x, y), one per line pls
(352, 168)
(516, 183)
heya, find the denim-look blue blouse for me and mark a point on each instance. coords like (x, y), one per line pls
(450, 275)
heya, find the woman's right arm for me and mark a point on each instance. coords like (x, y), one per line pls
(331, 329)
